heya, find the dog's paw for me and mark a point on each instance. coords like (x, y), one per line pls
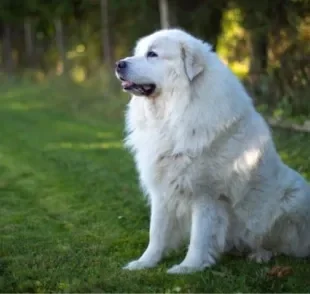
(260, 256)
(138, 265)
(180, 269)
(187, 267)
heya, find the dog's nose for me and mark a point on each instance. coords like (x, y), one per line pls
(121, 64)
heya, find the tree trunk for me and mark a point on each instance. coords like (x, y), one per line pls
(259, 52)
(164, 14)
(172, 15)
(60, 44)
(105, 34)
(7, 50)
(29, 44)
(258, 62)
(215, 22)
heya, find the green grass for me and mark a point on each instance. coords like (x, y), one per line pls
(71, 213)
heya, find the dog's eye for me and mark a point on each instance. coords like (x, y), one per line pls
(151, 54)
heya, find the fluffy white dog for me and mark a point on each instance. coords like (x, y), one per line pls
(206, 159)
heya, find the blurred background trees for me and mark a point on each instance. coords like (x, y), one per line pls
(267, 43)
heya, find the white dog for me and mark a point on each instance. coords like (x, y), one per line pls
(206, 159)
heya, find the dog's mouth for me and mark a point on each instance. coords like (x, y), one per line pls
(140, 89)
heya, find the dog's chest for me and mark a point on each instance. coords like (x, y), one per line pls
(161, 153)
(150, 134)
(151, 145)
(154, 151)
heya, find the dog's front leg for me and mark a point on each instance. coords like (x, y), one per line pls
(208, 236)
(160, 228)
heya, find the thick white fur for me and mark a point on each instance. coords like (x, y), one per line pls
(207, 161)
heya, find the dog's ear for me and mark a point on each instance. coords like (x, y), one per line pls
(193, 61)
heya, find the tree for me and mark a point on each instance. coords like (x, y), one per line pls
(164, 14)
(55, 12)
(256, 21)
(60, 43)
(7, 49)
(202, 18)
(30, 14)
(9, 14)
(29, 41)
(105, 33)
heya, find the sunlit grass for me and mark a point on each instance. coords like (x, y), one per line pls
(21, 106)
(84, 146)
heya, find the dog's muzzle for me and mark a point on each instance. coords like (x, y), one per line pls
(121, 68)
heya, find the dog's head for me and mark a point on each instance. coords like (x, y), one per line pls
(165, 59)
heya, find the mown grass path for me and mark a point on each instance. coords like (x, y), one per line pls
(71, 213)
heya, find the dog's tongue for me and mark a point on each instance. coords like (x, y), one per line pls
(127, 84)
(147, 87)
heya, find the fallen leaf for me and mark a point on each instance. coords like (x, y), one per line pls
(280, 271)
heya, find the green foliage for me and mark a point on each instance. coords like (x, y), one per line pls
(14, 11)
(264, 42)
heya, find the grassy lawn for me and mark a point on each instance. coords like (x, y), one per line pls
(71, 213)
